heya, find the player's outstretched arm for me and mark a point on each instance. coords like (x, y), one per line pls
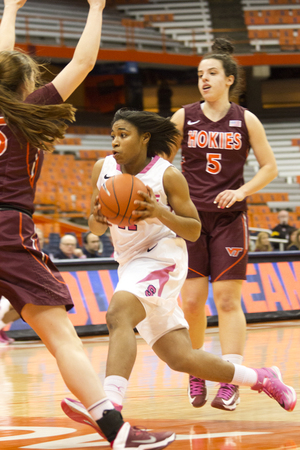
(86, 52)
(8, 24)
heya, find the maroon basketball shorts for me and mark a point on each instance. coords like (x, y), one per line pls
(221, 252)
(26, 274)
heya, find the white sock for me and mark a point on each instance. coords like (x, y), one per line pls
(96, 410)
(4, 306)
(2, 324)
(233, 358)
(244, 376)
(115, 388)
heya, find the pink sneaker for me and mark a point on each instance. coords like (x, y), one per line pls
(197, 392)
(132, 438)
(227, 397)
(77, 412)
(127, 438)
(5, 338)
(269, 381)
(3, 342)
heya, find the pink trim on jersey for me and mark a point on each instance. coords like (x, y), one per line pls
(147, 168)
(151, 164)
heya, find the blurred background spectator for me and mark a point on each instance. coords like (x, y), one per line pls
(68, 248)
(92, 245)
(294, 241)
(283, 230)
(262, 243)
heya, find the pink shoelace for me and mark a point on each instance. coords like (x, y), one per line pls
(197, 386)
(226, 391)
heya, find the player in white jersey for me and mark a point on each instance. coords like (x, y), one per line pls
(153, 265)
(152, 247)
(149, 231)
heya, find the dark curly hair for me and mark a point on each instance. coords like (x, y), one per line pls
(164, 133)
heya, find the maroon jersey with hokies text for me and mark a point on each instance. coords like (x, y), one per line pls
(20, 163)
(213, 155)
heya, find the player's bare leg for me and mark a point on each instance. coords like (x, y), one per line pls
(232, 332)
(194, 295)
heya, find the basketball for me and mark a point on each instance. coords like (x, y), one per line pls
(117, 196)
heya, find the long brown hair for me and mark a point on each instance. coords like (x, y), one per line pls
(41, 125)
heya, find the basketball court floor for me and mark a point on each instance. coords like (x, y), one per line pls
(31, 391)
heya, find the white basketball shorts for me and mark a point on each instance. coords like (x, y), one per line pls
(156, 277)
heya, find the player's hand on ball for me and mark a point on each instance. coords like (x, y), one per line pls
(99, 217)
(147, 207)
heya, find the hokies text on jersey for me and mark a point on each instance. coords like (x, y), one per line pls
(214, 140)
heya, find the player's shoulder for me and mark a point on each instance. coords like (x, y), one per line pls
(252, 120)
(171, 173)
(97, 169)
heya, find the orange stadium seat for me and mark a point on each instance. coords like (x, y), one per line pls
(77, 129)
(259, 209)
(93, 154)
(296, 142)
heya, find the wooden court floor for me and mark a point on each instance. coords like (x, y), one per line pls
(31, 391)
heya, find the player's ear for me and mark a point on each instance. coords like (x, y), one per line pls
(230, 80)
(146, 137)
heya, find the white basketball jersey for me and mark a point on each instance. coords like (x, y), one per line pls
(132, 240)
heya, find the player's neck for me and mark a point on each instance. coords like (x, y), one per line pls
(215, 111)
(136, 167)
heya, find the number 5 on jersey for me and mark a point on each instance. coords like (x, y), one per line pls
(213, 165)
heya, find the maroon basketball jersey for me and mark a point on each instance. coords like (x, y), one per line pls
(214, 154)
(20, 163)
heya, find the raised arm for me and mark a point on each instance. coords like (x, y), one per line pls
(85, 55)
(8, 24)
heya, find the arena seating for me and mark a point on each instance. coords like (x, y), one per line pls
(187, 22)
(284, 191)
(41, 23)
(273, 24)
(159, 25)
